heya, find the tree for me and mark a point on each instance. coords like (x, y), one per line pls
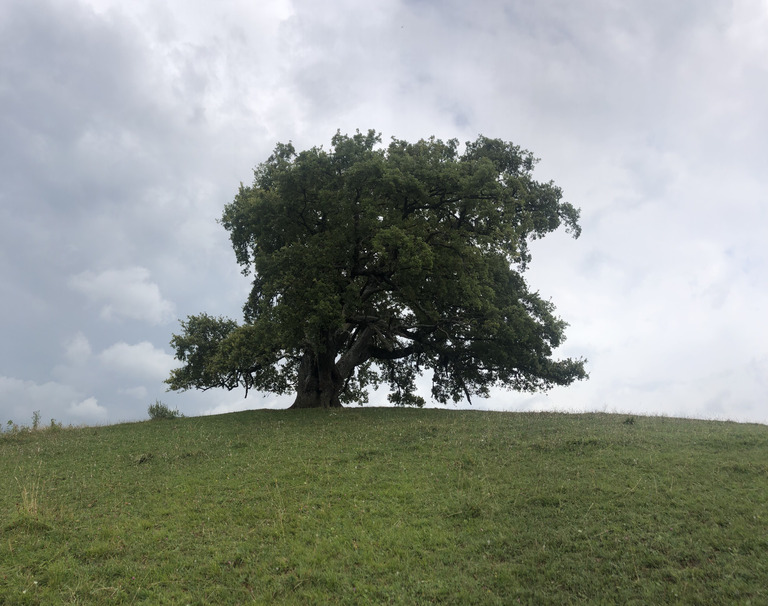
(371, 265)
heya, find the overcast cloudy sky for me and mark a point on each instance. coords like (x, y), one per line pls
(125, 127)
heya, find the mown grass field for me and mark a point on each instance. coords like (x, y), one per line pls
(386, 506)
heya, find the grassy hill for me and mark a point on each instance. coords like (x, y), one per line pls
(380, 506)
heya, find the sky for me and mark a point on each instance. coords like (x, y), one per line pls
(125, 127)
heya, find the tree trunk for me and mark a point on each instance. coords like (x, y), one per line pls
(319, 383)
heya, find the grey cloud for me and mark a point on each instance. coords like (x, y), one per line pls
(125, 128)
(19, 399)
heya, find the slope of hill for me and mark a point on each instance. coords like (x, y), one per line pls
(401, 506)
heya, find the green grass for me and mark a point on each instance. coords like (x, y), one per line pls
(382, 506)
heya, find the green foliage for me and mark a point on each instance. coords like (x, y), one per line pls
(380, 506)
(372, 265)
(159, 411)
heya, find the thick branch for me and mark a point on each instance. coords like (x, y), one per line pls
(358, 353)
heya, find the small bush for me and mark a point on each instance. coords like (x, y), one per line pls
(29, 497)
(158, 410)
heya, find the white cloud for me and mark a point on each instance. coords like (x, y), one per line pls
(78, 349)
(88, 410)
(125, 293)
(141, 360)
(252, 402)
(223, 408)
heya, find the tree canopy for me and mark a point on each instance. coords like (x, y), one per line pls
(373, 264)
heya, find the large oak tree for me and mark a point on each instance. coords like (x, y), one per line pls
(371, 265)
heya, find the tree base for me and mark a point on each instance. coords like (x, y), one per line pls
(319, 383)
(315, 401)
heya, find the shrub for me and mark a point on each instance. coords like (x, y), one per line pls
(158, 410)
